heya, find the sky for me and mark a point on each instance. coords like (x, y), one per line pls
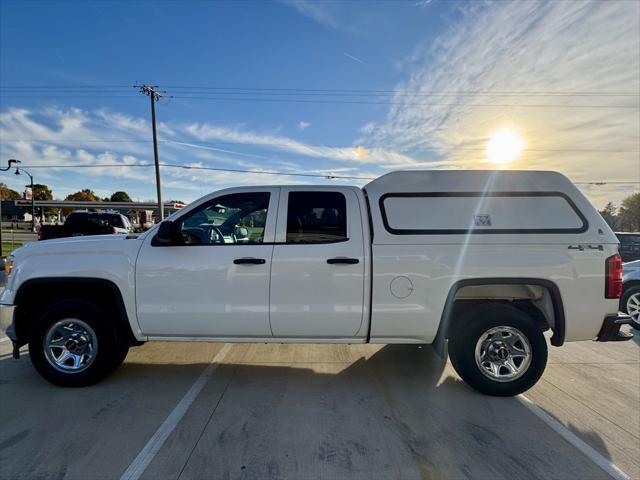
(327, 88)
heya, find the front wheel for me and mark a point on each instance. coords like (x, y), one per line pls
(75, 344)
(498, 350)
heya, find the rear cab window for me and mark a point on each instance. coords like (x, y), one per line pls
(316, 217)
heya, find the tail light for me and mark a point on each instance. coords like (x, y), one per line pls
(39, 234)
(613, 280)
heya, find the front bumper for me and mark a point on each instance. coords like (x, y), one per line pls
(610, 331)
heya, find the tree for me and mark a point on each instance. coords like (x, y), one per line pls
(121, 197)
(42, 192)
(85, 195)
(629, 213)
(609, 215)
(8, 194)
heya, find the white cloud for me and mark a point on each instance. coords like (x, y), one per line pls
(105, 146)
(377, 155)
(318, 11)
(527, 47)
(355, 59)
(302, 125)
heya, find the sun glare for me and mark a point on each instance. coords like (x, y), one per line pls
(504, 146)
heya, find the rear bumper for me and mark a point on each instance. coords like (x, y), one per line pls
(610, 331)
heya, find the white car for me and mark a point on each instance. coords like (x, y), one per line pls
(630, 301)
(484, 260)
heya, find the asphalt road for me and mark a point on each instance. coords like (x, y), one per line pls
(320, 411)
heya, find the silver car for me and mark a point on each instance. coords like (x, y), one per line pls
(630, 300)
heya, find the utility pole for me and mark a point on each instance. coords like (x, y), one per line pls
(154, 96)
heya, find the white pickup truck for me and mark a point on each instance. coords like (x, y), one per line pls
(481, 262)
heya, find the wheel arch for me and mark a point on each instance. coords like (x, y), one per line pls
(630, 284)
(449, 310)
(37, 293)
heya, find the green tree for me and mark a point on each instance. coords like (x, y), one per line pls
(42, 192)
(609, 215)
(8, 194)
(629, 213)
(121, 197)
(85, 195)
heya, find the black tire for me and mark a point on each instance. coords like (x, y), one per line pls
(110, 351)
(467, 331)
(628, 292)
(121, 354)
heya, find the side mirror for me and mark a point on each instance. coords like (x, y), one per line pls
(166, 233)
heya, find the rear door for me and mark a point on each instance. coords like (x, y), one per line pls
(318, 264)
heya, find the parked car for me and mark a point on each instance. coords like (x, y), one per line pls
(83, 223)
(630, 300)
(629, 246)
(484, 260)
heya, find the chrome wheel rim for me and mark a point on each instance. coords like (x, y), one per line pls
(70, 345)
(503, 354)
(633, 307)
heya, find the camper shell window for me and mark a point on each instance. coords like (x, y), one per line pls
(444, 213)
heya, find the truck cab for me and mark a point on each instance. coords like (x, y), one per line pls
(249, 263)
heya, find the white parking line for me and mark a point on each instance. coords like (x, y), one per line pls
(153, 446)
(573, 439)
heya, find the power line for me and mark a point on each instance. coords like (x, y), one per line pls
(215, 169)
(329, 91)
(402, 93)
(364, 102)
(344, 102)
(447, 92)
(271, 172)
(67, 96)
(212, 145)
(101, 87)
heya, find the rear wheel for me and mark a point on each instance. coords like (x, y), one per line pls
(498, 350)
(630, 303)
(74, 343)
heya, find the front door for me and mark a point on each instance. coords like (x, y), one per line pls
(215, 281)
(317, 271)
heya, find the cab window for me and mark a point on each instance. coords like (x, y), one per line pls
(316, 217)
(238, 218)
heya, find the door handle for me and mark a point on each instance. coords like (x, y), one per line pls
(343, 260)
(249, 261)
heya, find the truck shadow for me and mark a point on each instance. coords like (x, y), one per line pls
(396, 412)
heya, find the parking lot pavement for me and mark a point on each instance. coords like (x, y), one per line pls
(321, 411)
